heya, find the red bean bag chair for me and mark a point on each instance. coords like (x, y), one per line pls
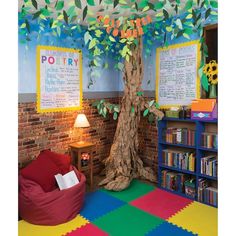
(45, 204)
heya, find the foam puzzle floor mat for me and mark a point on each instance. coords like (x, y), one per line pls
(141, 209)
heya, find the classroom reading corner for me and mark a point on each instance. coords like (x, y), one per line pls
(117, 111)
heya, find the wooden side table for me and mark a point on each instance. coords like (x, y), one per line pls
(76, 150)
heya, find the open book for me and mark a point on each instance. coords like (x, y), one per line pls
(66, 181)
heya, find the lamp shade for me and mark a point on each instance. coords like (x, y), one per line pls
(81, 121)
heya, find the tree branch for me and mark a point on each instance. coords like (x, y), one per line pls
(151, 107)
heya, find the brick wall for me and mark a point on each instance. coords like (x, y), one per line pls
(148, 135)
(55, 131)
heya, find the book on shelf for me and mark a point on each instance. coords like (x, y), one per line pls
(209, 140)
(173, 181)
(209, 165)
(179, 136)
(179, 159)
(206, 193)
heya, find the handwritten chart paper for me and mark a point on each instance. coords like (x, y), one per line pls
(177, 78)
(59, 79)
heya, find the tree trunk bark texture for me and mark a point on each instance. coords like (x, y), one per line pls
(123, 163)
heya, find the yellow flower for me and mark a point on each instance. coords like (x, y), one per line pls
(214, 77)
(211, 71)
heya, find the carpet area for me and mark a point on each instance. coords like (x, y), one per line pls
(141, 209)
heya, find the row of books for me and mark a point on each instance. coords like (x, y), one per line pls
(173, 181)
(179, 159)
(179, 136)
(206, 193)
(209, 165)
(209, 140)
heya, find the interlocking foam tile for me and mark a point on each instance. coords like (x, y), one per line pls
(135, 190)
(99, 203)
(127, 220)
(87, 230)
(198, 218)
(167, 229)
(161, 203)
(27, 229)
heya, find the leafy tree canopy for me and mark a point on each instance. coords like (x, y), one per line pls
(102, 23)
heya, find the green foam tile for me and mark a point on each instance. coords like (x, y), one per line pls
(127, 220)
(135, 190)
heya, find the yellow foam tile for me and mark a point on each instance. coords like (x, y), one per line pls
(198, 218)
(27, 229)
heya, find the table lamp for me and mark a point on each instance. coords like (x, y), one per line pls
(81, 122)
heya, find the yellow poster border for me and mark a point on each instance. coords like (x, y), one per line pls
(61, 49)
(198, 85)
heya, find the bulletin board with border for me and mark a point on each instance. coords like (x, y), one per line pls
(59, 79)
(177, 79)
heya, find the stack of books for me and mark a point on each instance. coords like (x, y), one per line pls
(173, 181)
(179, 136)
(179, 159)
(209, 165)
(206, 193)
(209, 140)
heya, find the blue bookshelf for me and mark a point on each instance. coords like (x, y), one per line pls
(199, 150)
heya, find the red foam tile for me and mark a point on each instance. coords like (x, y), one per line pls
(87, 230)
(161, 203)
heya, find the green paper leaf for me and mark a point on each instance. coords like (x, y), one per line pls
(27, 25)
(60, 5)
(71, 10)
(157, 105)
(146, 8)
(87, 37)
(65, 16)
(204, 82)
(143, 3)
(188, 5)
(145, 112)
(136, 6)
(132, 109)
(208, 12)
(179, 23)
(112, 39)
(91, 2)
(47, 1)
(85, 12)
(92, 43)
(116, 2)
(35, 4)
(78, 3)
(166, 14)
(23, 26)
(59, 31)
(36, 15)
(168, 28)
(214, 4)
(115, 115)
(158, 5)
(116, 109)
(186, 36)
(140, 93)
(151, 103)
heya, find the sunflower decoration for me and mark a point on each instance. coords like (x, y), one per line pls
(211, 71)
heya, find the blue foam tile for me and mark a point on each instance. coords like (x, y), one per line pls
(98, 204)
(167, 229)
